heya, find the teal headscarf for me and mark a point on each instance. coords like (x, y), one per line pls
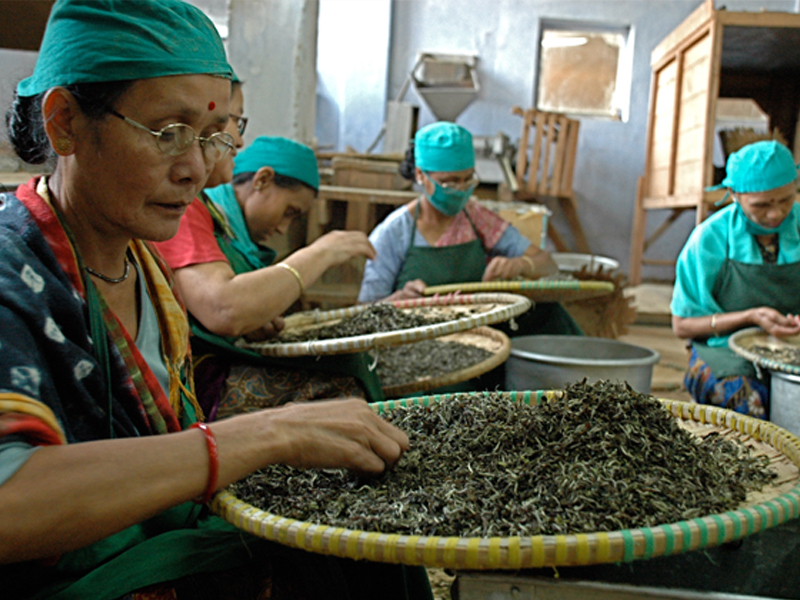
(224, 196)
(92, 41)
(443, 146)
(285, 156)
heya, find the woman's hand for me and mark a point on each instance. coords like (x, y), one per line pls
(501, 267)
(268, 331)
(412, 289)
(774, 322)
(335, 434)
(337, 247)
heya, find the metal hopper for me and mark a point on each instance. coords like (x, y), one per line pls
(447, 83)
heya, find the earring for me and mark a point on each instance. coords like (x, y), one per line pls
(63, 145)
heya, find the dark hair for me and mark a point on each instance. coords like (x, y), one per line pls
(282, 181)
(25, 125)
(408, 165)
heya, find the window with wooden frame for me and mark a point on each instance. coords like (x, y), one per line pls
(584, 69)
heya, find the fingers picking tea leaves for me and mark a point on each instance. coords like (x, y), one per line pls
(602, 458)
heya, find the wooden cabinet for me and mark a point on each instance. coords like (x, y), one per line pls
(712, 54)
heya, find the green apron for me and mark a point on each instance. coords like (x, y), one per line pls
(741, 286)
(356, 365)
(467, 262)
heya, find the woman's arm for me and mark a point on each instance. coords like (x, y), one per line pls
(67, 497)
(233, 305)
(769, 319)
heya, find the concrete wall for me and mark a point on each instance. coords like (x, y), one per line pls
(504, 34)
(272, 46)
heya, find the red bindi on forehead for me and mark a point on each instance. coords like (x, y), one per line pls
(212, 105)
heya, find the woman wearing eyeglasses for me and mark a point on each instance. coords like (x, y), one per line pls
(445, 237)
(102, 451)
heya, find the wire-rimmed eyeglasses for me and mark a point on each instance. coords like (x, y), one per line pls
(461, 186)
(177, 138)
(241, 122)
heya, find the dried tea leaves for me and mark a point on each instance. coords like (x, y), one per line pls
(785, 354)
(604, 458)
(376, 318)
(426, 360)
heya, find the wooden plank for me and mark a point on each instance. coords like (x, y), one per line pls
(689, 178)
(545, 181)
(676, 201)
(533, 170)
(661, 154)
(637, 236)
(757, 19)
(571, 157)
(658, 180)
(690, 145)
(691, 25)
(715, 68)
(676, 111)
(371, 196)
(358, 217)
(316, 220)
(557, 177)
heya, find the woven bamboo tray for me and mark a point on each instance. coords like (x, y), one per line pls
(538, 290)
(496, 342)
(771, 507)
(468, 312)
(742, 343)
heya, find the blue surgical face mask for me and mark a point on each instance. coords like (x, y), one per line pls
(449, 201)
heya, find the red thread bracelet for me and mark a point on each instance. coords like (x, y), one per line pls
(213, 463)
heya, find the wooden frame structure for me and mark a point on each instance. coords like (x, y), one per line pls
(546, 166)
(713, 53)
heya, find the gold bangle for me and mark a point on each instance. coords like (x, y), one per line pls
(714, 324)
(294, 272)
(530, 262)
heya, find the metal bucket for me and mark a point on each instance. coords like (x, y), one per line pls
(543, 362)
(784, 402)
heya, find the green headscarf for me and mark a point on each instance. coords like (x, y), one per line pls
(285, 156)
(92, 41)
(443, 146)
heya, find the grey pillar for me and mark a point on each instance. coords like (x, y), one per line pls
(272, 46)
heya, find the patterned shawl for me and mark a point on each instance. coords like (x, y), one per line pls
(52, 388)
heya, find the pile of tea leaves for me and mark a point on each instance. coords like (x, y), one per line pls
(785, 354)
(375, 318)
(426, 359)
(603, 458)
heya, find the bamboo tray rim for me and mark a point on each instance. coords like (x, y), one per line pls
(535, 289)
(476, 553)
(737, 343)
(497, 358)
(508, 307)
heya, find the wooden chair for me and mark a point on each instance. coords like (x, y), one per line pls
(545, 168)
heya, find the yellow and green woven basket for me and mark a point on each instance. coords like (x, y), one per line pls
(742, 343)
(467, 311)
(538, 290)
(773, 507)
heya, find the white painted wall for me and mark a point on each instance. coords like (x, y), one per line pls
(353, 66)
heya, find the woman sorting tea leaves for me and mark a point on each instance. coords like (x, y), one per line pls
(740, 268)
(445, 237)
(231, 287)
(101, 451)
